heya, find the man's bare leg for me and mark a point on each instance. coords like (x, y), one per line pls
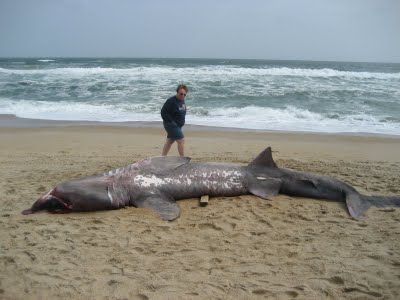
(167, 146)
(181, 147)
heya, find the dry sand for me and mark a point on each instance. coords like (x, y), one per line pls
(235, 248)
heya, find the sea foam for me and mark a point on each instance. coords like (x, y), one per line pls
(289, 118)
(206, 71)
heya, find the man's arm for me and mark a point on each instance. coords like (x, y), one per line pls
(165, 112)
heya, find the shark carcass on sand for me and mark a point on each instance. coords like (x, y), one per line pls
(157, 183)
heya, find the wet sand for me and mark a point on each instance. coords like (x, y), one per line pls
(235, 248)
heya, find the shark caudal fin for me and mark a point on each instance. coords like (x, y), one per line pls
(358, 204)
(264, 159)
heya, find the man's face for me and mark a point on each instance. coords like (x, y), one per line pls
(181, 94)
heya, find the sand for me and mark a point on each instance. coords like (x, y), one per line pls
(235, 248)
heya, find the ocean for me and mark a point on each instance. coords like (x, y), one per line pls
(327, 97)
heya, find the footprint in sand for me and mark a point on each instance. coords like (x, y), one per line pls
(350, 290)
(209, 226)
(290, 294)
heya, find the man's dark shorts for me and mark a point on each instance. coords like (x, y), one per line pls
(174, 131)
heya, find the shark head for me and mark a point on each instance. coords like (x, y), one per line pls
(82, 194)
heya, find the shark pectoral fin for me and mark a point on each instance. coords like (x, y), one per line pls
(165, 206)
(357, 205)
(264, 187)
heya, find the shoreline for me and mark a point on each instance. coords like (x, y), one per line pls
(12, 121)
(303, 145)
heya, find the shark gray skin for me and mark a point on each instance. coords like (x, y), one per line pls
(157, 183)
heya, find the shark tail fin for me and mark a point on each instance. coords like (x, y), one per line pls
(358, 204)
(264, 159)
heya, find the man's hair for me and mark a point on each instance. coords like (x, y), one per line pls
(182, 86)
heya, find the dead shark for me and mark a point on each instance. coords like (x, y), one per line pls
(157, 183)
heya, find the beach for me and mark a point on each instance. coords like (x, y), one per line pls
(234, 248)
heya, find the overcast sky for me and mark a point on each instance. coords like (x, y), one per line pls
(341, 30)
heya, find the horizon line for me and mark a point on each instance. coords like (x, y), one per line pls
(211, 58)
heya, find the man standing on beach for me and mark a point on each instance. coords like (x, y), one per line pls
(173, 114)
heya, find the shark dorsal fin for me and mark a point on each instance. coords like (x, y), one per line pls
(264, 159)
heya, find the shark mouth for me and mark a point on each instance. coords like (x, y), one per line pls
(49, 203)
